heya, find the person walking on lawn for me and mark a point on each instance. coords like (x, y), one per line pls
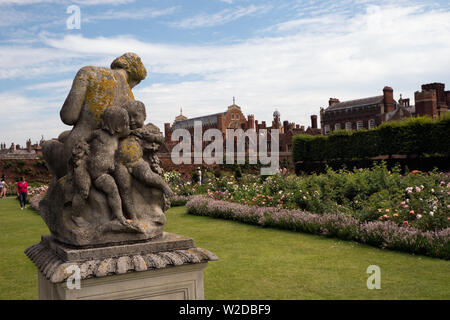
(3, 186)
(22, 188)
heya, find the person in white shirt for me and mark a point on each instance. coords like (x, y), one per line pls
(199, 171)
(3, 186)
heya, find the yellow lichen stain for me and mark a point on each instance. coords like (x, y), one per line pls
(101, 92)
(129, 151)
(62, 180)
(130, 93)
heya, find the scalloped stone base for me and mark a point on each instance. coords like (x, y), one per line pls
(168, 268)
(183, 282)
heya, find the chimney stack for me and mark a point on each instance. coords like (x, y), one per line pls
(220, 124)
(332, 101)
(314, 121)
(167, 130)
(251, 121)
(285, 126)
(388, 95)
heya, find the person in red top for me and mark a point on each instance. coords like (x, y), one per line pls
(22, 188)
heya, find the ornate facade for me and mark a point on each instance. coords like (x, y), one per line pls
(234, 118)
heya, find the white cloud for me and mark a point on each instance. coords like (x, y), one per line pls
(143, 13)
(220, 18)
(296, 72)
(80, 2)
(60, 88)
(24, 117)
(12, 17)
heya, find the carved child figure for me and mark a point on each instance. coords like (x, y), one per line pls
(100, 163)
(131, 160)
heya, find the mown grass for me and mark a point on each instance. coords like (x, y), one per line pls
(19, 229)
(258, 263)
(254, 263)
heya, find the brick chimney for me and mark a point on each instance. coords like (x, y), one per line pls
(29, 145)
(251, 121)
(440, 91)
(220, 123)
(286, 126)
(167, 130)
(388, 99)
(333, 101)
(426, 103)
(314, 121)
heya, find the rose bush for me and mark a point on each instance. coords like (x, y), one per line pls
(383, 234)
(417, 199)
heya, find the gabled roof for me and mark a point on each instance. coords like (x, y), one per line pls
(399, 113)
(313, 131)
(356, 103)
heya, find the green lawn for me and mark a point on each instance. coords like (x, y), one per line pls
(255, 263)
(19, 229)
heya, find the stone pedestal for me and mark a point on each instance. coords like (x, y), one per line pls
(167, 268)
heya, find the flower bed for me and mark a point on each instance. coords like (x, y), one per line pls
(383, 234)
(34, 201)
(417, 199)
(178, 201)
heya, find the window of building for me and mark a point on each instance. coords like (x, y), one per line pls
(348, 126)
(337, 126)
(327, 129)
(232, 116)
(359, 125)
(371, 123)
(236, 116)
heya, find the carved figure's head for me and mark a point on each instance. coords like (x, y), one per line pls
(115, 120)
(136, 113)
(133, 65)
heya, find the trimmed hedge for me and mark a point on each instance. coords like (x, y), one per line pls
(418, 136)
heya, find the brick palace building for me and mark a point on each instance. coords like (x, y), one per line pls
(364, 113)
(32, 151)
(234, 118)
(433, 100)
(370, 112)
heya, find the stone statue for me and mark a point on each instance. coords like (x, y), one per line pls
(99, 163)
(94, 89)
(107, 186)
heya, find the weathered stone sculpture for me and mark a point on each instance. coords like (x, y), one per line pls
(107, 185)
(105, 206)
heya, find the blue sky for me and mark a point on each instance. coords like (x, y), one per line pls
(290, 55)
